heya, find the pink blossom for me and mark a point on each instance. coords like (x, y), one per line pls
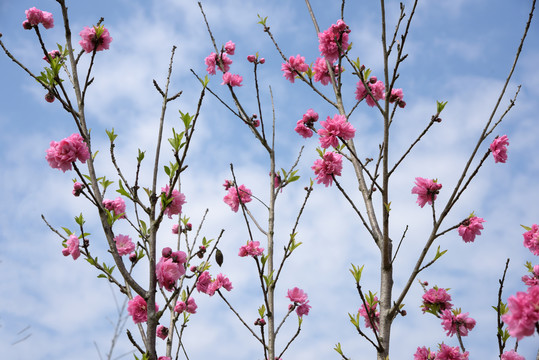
(523, 314)
(531, 239)
(453, 322)
(175, 206)
(138, 309)
(164, 358)
(499, 149)
(175, 228)
(124, 245)
(372, 313)
(53, 55)
(377, 90)
(303, 309)
(161, 332)
(77, 188)
(72, 247)
(426, 190)
(321, 72)
(436, 300)
(511, 355)
(212, 61)
(190, 307)
(396, 95)
(47, 20)
(168, 272)
(296, 295)
(228, 184)
(232, 79)
(35, 17)
(232, 197)
(220, 281)
(450, 353)
(203, 282)
(62, 154)
(292, 66)
(117, 206)
(333, 129)
(96, 37)
(422, 353)
(305, 125)
(334, 41)
(532, 280)
(330, 165)
(471, 227)
(252, 248)
(230, 48)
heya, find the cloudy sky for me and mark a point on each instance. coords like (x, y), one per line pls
(459, 51)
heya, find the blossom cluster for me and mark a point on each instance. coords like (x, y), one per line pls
(305, 125)
(206, 285)
(34, 17)
(251, 249)
(222, 62)
(330, 165)
(531, 239)
(175, 206)
(523, 314)
(72, 247)
(235, 196)
(61, 155)
(445, 352)
(377, 89)
(138, 309)
(96, 38)
(170, 268)
(470, 227)
(426, 190)
(117, 206)
(371, 315)
(299, 301)
(333, 129)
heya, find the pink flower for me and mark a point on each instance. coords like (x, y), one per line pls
(175, 229)
(422, 353)
(511, 355)
(532, 280)
(334, 41)
(228, 184)
(305, 125)
(377, 90)
(62, 154)
(72, 247)
(292, 66)
(334, 128)
(233, 200)
(296, 295)
(35, 17)
(138, 309)
(230, 48)
(426, 190)
(531, 239)
(212, 61)
(163, 358)
(327, 167)
(175, 206)
(471, 227)
(190, 307)
(96, 37)
(252, 248)
(53, 55)
(372, 313)
(499, 149)
(321, 72)
(117, 206)
(436, 300)
(450, 353)
(454, 321)
(77, 188)
(162, 332)
(203, 282)
(232, 79)
(299, 298)
(523, 314)
(168, 272)
(124, 245)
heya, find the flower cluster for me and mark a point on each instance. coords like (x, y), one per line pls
(499, 149)
(533, 279)
(305, 125)
(62, 154)
(531, 239)
(335, 128)
(436, 300)
(124, 245)
(511, 355)
(175, 206)
(321, 71)
(523, 314)
(371, 313)
(426, 190)
(470, 227)
(334, 41)
(117, 206)
(299, 300)
(206, 285)
(170, 267)
(96, 38)
(422, 353)
(330, 165)
(377, 89)
(232, 198)
(292, 66)
(223, 62)
(190, 306)
(396, 96)
(34, 17)
(138, 309)
(453, 321)
(72, 247)
(232, 79)
(445, 353)
(251, 249)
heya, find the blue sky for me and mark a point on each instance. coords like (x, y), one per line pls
(459, 51)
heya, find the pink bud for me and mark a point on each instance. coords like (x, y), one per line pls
(251, 58)
(133, 257)
(262, 60)
(193, 268)
(26, 25)
(175, 229)
(49, 97)
(373, 79)
(166, 252)
(77, 188)
(188, 227)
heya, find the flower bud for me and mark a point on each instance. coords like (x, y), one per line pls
(77, 188)
(49, 97)
(26, 25)
(251, 58)
(373, 79)
(133, 257)
(193, 268)
(402, 104)
(166, 252)
(262, 60)
(189, 227)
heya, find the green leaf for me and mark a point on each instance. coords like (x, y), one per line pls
(338, 349)
(167, 170)
(112, 136)
(102, 276)
(439, 254)
(91, 261)
(440, 105)
(79, 220)
(262, 20)
(269, 279)
(122, 190)
(526, 227)
(68, 232)
(356, 272)
(262, 311)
